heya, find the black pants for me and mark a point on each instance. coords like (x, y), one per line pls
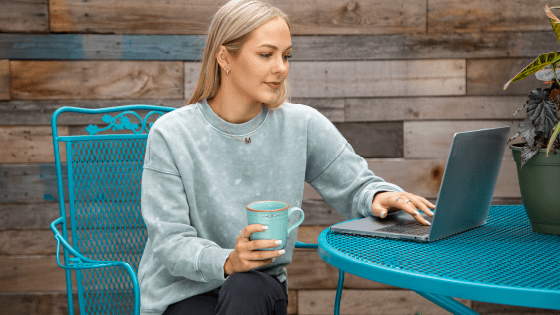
(247, 293)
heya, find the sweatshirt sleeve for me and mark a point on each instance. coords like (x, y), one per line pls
(338, 174)
(165, 210)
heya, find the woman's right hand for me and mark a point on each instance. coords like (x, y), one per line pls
(245, 257)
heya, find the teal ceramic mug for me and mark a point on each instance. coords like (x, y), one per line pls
(275, 215)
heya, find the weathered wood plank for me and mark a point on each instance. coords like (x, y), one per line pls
(422, 176)
(424, 139)
(308, 271)
(21, 274)
(365, 78)
(33, 144)
(177, 17)
(96, 79)
(486, 16)
(374, 139)
(37, 303)
(30, 183)
(432, 108)
(306, 48)
(27, 242)
(378, 78)
(420, 46)
(29, 216)
(40, 112)
(4, 79)
(99, 47)
(132, 17)
(292, 302)
(372, 302)
(24, 16)
(355, 17)
(500, 309)
(488, 77)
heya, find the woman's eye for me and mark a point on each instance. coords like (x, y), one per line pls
(287, 57)
(265, 55)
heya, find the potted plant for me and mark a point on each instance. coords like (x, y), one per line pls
(539, 172)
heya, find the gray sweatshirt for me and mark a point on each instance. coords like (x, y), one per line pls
(197, 180)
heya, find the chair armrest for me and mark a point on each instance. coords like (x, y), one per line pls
(82, 262)
(305, 245)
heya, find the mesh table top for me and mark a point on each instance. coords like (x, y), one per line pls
(502, 257)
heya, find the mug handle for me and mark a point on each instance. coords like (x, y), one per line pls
(292, 210)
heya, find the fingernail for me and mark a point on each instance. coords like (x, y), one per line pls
(278, 242)
(264, 227)
(382, 213)
(282, 251)
(273, 259)
(416, 213)
(429, 223)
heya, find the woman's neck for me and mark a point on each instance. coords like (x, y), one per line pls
(234, 110)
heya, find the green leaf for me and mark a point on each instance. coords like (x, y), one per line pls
(556, 27)
(542, 112)
(553, 138)
(540, 63)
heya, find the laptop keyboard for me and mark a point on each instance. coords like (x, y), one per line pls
(410, 228)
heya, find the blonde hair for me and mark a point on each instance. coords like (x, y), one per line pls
(231, 26)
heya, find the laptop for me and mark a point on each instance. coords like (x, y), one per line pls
(464, 197)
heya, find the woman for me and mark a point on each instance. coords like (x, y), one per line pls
(237, 142)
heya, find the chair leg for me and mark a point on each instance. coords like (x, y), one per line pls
(338, 292)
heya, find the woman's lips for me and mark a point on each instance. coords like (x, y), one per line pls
(273, 85)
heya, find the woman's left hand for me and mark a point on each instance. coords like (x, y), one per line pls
(391, 201)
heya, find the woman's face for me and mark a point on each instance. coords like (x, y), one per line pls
(262, 64)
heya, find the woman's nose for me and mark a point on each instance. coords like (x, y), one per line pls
(281, 66)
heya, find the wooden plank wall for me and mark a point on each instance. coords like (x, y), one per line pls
(398, 78)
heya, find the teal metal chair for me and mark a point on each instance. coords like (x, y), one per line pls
(104, 219)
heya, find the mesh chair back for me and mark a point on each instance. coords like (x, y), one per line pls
(104, 185)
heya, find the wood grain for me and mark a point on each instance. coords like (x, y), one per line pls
(21, 274)
(28, 216)
(378, 78)
(27, 242)
(29, 144)
(177, 17)
(39, 112)
(355, 17)
(374, 139)
(24, 16)
(96, 79)
(488, 77)
(4, 79)
(37, 303)
(306, 47)
(423, 139)
(385, 302)
(308, 271)
(432, 108)
(422, 176)
(486, 16)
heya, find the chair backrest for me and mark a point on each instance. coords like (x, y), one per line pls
(104, 185)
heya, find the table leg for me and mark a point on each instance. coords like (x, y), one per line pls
(338, 292)
(448, 303)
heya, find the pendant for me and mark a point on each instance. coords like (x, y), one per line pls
(247, 141)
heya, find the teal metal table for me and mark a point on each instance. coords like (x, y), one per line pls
(502, 262)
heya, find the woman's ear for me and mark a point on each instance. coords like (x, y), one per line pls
(223, 57)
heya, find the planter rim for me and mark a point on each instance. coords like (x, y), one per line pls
(516, 148)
